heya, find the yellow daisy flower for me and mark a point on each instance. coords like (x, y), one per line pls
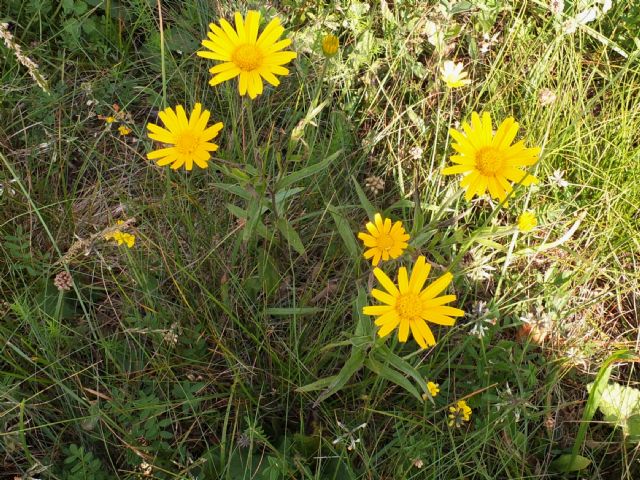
(453, 74)
(190, 139)
(488, 160)
(247, 55)
(460, 413)
(409, 307)
(527, 221)
(386, 241)
(110, 119)
(330, 45)
(124, 130)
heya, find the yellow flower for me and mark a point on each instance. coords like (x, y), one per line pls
(460, 413)
(124, 130)
(122, 238)
(385, 241)
(110, 119)
(453, 74)
(190, 139)
(125, 238)
(409, 307)
(330, 45)
(247, 55)
(433, 389)
(489, 161)
(527, 221)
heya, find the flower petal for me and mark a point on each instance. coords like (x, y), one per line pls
(436, 287)
(386, 282)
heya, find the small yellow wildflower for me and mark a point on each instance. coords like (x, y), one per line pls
(110, 119)
(122, 238)
(124, 130)
(487, 160)
(386, 241)
(453, 74)
(187, 140)
(433, 389)
(409, 306)
(246, 55)
(125, 238)
(527, 221)
(330, 45)
(460, 413)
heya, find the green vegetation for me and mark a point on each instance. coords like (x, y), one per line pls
(229, 341)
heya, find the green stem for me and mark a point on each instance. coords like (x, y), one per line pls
(316, 94)
(252, 129)
(162, 65)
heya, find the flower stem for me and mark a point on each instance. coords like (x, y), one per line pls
(252, 130)
(162, 65)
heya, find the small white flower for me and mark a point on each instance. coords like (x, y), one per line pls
(170, 336)
(576, 357)
(453, 74)
(480, 308)
(7, 187)
(481, 322)
(349, 437)
(488, 42)
(481, 273)
(584, 17)
(416, 152)
(557, 178)
(556, 6)
(547, 97)
(540, 319)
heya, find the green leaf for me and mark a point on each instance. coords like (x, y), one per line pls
(283, 195)
(303, 173)
(620, 406)
(364, 326)
(384, 371)
(355, 362)
(401, 365)
(67, 6)
(567, 463)
(238, 212)
(79, 8)
(291, 236)
(234, 190)
(298, 131)
(317, 385)
(254, 211)
(344, 229)
(364, 201)
(461, 7)
(595, 393)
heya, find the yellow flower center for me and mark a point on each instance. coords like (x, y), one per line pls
(385, 241)
(409, 306)
(187, 143)
(247, 57)
(489, 161)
